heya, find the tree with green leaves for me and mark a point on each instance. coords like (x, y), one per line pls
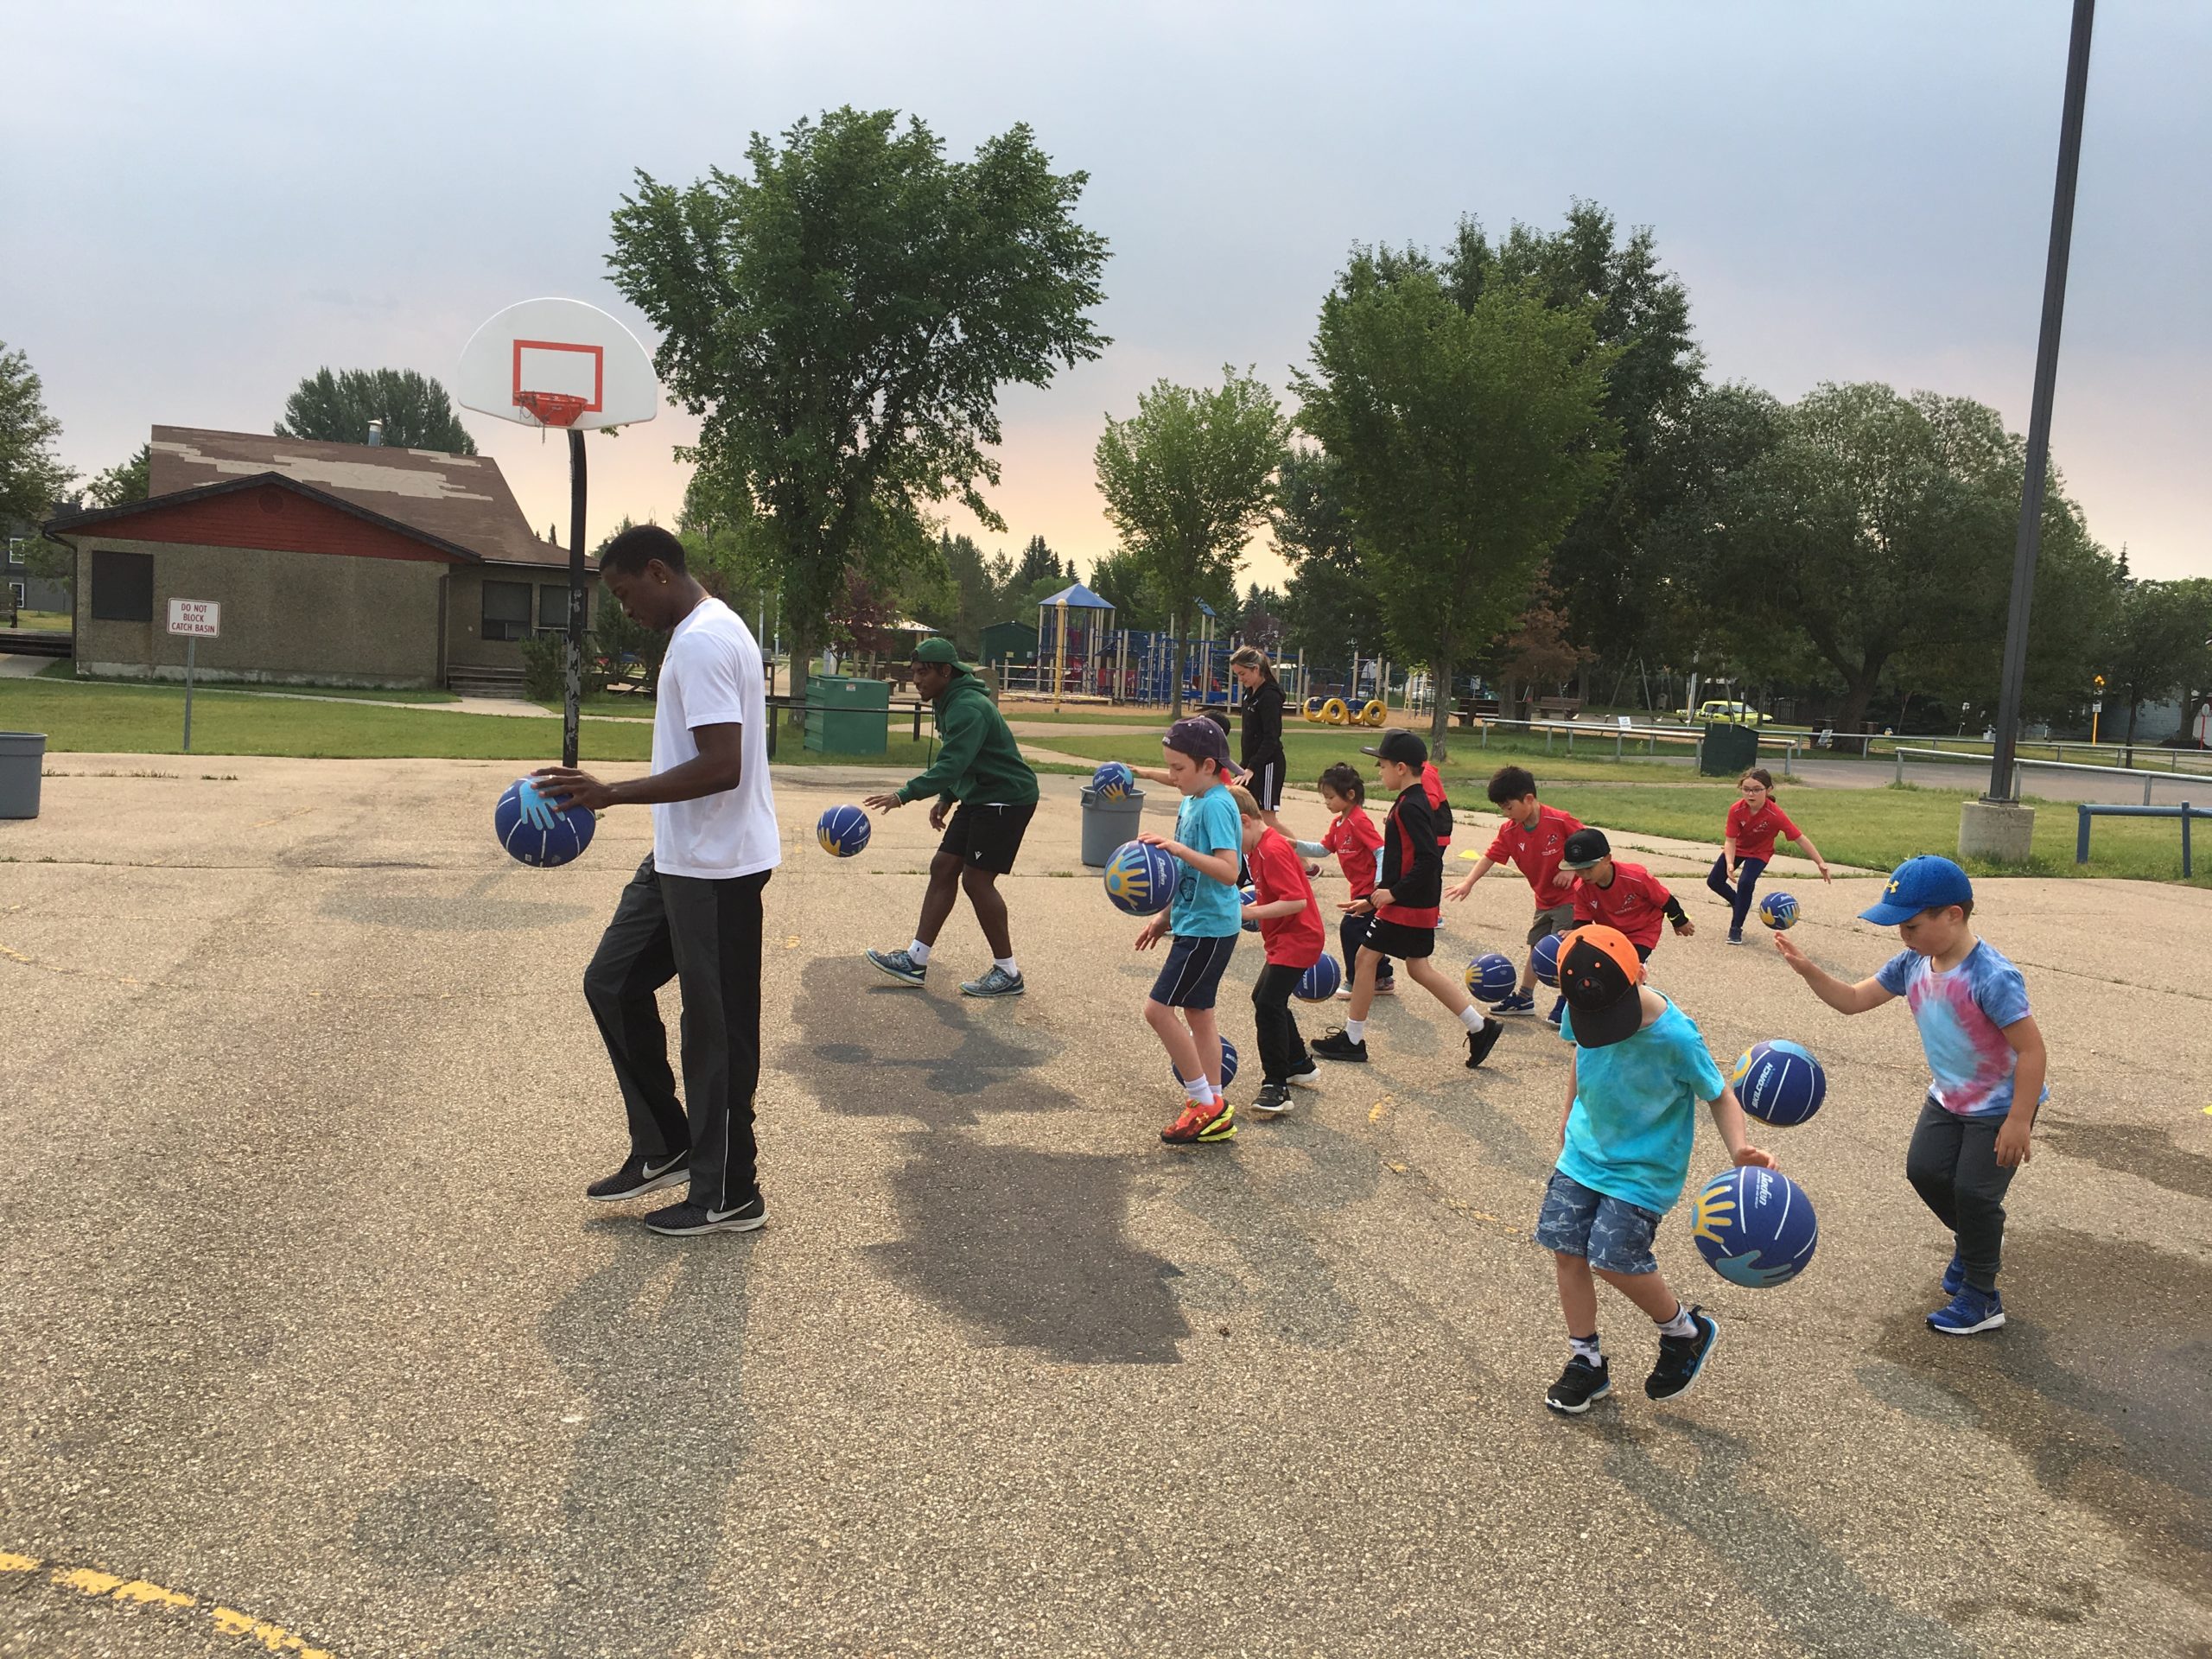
(843, 317)
(337, 408)
(1331, 611)
(32, 477)
(1187, 480)
(128, 481)
(1121, 581)
(2159, 646)
(1040, 563)
(1469, 437)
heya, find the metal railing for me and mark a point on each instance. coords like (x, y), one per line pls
(2019, 765)
(1593, 733)
(1980, 748)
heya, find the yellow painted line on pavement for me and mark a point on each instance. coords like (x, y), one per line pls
(93, 1584)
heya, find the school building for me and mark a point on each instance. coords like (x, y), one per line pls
(334, 563)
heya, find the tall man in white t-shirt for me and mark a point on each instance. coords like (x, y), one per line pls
(692, 913)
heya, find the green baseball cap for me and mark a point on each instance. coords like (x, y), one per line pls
(939, 649)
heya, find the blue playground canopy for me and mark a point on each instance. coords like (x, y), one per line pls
(1079, 597)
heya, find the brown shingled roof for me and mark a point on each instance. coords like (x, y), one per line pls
(462, 499)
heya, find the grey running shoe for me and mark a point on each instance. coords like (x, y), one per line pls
(996, 983)
(900, 966)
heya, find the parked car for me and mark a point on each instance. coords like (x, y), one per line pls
(1724, 712)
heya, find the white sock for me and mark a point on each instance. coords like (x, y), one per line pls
(1007, 964)
(920, 953)
(1199, 1089)
(1681, 1325)
(1586, 1348)
(1472, 1017)
(1357, 1030)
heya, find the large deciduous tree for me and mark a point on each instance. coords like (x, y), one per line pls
(1469, 438)
(1187, 480)
(2159, 646)
(32, 477)
(1332, 610)
(843, 318)
(337, 408)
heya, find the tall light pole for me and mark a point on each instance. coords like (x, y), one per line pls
(1997, 826)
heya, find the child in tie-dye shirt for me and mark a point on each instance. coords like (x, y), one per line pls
(1987, 1064)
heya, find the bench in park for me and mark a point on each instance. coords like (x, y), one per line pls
(2184, 812)
(1467, 710)
(1558, 708)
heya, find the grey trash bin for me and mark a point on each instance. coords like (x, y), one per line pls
(1107, 824)
(23, 756)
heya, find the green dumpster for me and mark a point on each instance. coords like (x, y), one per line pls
(1729, 750)
(848, 716)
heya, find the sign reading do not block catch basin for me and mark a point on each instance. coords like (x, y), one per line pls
(201, 618)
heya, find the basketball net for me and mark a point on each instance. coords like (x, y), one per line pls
(550, 408)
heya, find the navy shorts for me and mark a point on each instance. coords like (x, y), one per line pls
(1191, 973)
(1607, 1232)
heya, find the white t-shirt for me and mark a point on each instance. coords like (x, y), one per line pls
(711, 677)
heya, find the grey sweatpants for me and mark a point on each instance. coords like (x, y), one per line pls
(1952, 1164)
(705, 935)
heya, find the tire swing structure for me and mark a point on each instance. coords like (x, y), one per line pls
(1370, 715)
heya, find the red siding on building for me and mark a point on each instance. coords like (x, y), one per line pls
(272, 518)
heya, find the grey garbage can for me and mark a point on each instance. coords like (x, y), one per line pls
(23, 756)
(1107, 824)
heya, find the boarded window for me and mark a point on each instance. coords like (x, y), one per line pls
(507, 610)
(122, 587)
(553, 607)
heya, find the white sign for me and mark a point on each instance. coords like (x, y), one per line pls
(2203, 724)
(1626, 722)
(199, 616)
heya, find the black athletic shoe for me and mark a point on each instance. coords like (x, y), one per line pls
(1274, 1100)
(1338, 1046)
(1580, 1386)
(1680, 1358)
(683, 1220)
(1479, 1043)
(639, 1174)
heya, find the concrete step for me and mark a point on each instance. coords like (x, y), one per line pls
(487, 683)
(34, 642)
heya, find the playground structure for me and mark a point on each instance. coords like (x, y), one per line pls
(1335, 711)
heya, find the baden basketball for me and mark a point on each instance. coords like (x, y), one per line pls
(1320, 982)
(1778, 911)
(1755, 1227)
(843, 831)
(1141, 879)
(1228, 1064)
(530, 829)
(1546, 954)
(1490, 978)
(1111, 782)
(1779, 1084)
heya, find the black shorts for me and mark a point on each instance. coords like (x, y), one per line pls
(1396, 939)
(987, 838)
(1191, 973)
(1264, 779)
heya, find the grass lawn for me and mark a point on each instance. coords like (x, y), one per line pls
(44, 621)
(65, 669)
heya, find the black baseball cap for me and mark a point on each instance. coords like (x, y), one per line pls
(1599, 975)
(1200, 738)
(1399, 745)
(1584, 849)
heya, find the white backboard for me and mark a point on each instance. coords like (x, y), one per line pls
(558, 363)
(202, 618)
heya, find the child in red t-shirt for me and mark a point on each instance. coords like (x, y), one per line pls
(1533, 838)
(1753, 824)
(1614, 893)
(1290, 925)
(1354, 839)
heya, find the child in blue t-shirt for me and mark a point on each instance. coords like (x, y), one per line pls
(1986, 1058)
(1640, 1068)
(1204, 919)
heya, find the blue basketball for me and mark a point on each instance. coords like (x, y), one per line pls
(529, 828)
(1755, 1227)
(1779, 1084)
(1111, 782)
(1778, 911)
(843, 831)
(1320, 982)
(1141, 879)
(1547, 958)
(1490, 978)
(1228, 1064)
(1249, 896)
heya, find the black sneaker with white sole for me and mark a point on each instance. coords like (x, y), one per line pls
(1274, 1100)
(1680, 1358)
(686, 1219)
(1480, 1042)
(1338, 1046)
(1580, 1386)
(640, 1174)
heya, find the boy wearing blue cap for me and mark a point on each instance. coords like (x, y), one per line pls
(1987, 1063)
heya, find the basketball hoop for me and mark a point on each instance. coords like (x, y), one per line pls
(551, 408)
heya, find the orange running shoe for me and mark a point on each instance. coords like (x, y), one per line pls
(1200, 1123)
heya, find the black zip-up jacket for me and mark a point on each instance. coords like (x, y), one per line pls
(1263, 735)
(1413, 863)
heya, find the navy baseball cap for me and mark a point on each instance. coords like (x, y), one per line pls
(1200, 738)
(1400, 745)
(1924, 883)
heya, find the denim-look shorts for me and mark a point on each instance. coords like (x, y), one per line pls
(1608, 1232)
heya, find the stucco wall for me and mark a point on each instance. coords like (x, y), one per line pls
(466, 646)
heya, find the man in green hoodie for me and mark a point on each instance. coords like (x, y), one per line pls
(980, 766)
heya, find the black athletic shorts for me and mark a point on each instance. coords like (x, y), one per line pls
(1264, 779)
(1396, 939)
(987, 838)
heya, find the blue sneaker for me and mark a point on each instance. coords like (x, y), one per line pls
(1519, 1002)
(900, 966)
(996, 983)
(1955, 1276)
(1970, 1311)
(1558, 1009)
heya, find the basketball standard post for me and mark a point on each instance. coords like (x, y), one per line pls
(579, 587)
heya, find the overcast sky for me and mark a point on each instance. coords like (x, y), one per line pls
(205, 201)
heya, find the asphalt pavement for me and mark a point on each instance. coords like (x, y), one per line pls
(309, 1343)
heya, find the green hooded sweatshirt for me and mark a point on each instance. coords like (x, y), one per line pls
(978, 760)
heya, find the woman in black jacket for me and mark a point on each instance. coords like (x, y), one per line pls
(1262, 753)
